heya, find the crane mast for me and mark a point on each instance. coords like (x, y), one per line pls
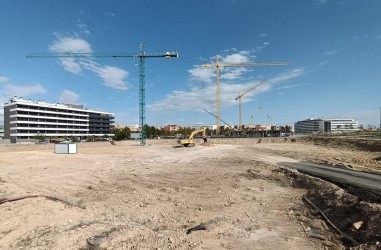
(218, 65)
(239, 98)
(142, 94)
(218, 98)
(141, 56)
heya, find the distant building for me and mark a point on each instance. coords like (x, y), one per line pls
(202, 125)
(118, 126)
(309, 126)
(25, 119)
(340, 125)
(171, 128)
(1, 133)
(314, 125)
(134, 128)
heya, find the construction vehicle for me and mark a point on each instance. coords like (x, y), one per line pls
(189, 141)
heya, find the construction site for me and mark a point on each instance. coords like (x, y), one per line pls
(243, 125)
(263, 189)
(220, 194)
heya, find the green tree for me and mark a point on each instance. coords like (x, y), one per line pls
(151, 131)
(40, 137)
(122, 134)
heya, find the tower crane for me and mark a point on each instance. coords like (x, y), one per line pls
(239, 98)
(217, 65)
(269, 121)
(141, 56)
(252, 116)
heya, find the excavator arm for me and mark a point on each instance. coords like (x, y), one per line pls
(189, 141)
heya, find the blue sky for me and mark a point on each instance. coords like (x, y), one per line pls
(333, 48)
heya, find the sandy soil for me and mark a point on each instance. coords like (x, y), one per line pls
(124, 196)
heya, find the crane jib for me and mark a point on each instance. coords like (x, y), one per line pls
(111, 55)
(142, 55)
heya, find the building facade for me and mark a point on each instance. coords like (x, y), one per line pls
(340, 125)
(26, 119)
(309, 126)
(315, 125)
(170, 128)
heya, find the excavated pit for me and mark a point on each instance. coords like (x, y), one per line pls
(352, 212)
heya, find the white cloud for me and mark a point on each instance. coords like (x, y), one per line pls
(263, 35)
(208, 74)
(83, 27)
(195, 99)
(202, 75)
(323, 63)
(241, 57)
(288, 75)
(8, 90)
(3, 79)
(112, 77)
(321, 2)
(289, 86)
(204, 79)
(199, 97)
(13, 90)
(69, 97)
(70, 44)
(233, 73)
(71, 65)
(264, 45)
(331, 52)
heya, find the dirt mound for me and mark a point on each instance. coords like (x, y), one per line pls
(357, 144)
(358, 220)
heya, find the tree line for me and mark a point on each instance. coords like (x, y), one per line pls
(151, 132)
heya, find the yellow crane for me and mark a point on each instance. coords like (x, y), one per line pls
(239, 98)
(218, 65)
(269, 122)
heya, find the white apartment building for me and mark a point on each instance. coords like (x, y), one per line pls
(25, 119)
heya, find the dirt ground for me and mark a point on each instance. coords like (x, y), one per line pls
(226, 194)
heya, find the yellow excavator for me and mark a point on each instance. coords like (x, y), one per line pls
(189, 141)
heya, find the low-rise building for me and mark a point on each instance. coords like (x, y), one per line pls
(134, 127)
(26, 119)
(171, 128)
(118, 126)
(314, 125)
